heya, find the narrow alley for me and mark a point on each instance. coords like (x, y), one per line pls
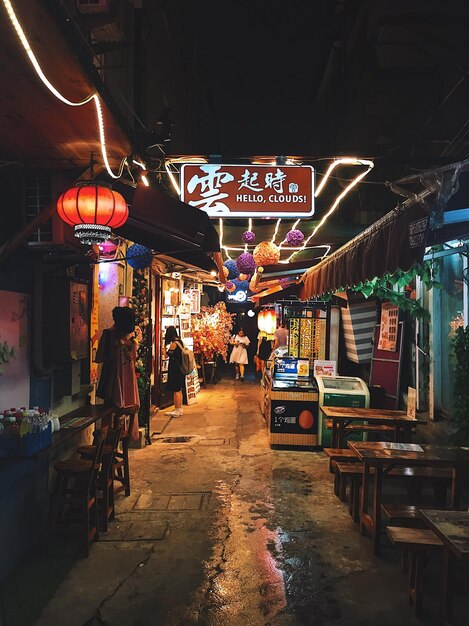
(219, 529)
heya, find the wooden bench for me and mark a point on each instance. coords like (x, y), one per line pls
(362, 428)
(418, 542)
(349, 472)
(340, 454)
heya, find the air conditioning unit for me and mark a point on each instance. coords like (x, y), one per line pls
(93, 6)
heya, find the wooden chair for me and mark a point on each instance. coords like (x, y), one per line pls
(74, 500)
(125, 419)
(105, 482)
(418, 542)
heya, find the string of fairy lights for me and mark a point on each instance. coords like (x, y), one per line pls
(293, 250)
(170, 165)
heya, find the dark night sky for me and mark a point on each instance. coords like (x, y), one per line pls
(262, 62)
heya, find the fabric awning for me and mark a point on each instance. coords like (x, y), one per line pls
(169, 226)
(396, 241)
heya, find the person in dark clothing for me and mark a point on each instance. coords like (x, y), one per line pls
(176, 379)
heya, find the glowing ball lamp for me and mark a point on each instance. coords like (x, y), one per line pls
(266, 253)
(93, 210)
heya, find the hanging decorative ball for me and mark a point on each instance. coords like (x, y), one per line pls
(248, 237)
(294, 237)
(93, 210)
(266, 253)
(230, 286)
(245, 263)
(242, 285)
(139, 257)
(244, 277)
(232, 269)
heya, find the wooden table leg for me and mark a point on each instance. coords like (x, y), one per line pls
(340, 434)
(446, 586)
(455, 488)
(376, 528)
(334, 434)
(364, 499)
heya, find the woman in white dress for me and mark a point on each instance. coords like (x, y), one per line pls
(239, 354)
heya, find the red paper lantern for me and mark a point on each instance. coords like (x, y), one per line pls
(93, 210)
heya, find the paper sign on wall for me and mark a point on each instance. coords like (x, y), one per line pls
(324, 368)
(411, 402)
(388, 328)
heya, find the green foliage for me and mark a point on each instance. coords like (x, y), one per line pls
(141, 306)
(460, 412)
(384, 288)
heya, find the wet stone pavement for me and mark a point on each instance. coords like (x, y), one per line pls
(221, 530)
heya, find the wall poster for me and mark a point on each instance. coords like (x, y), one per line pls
(388, 327)
(14, 349)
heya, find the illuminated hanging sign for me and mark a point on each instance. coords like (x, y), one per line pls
(238, 296)
(249, 190)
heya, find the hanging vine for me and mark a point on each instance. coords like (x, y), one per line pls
(141, 307)
(384, 288)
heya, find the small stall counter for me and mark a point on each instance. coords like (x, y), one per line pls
(293, 414)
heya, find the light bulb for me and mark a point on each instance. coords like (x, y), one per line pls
(251, 313)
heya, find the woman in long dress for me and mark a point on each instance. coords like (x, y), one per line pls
(239, 354)
(117, 351)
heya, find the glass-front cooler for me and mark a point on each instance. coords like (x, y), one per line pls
(348, 391)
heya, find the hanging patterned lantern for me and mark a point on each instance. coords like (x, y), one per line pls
(93, 210)
(248, 237)
(245, 263)
(294, 237)
(139, 257)
(232, 269)
(266, 253)
(270, 321)
(260, 320)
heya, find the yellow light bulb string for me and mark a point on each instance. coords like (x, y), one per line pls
(99, 114)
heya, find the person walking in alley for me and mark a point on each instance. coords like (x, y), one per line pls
(239, 354)
(117, 351)
(176, 379)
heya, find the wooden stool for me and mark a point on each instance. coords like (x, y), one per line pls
(121, 459)
(74, 500)
(418, 542)
(105, 482)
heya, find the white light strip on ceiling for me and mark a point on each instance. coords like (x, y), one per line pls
(276, 229)
(340, 197)
(172, 178)
(57, 94)
(336, 163)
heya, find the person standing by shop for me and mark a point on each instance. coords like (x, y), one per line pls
(264, 349)
(239, 354)
(176, 379)
(117, 351)
(281, 337)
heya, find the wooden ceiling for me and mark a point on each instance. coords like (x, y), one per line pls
(36, 129)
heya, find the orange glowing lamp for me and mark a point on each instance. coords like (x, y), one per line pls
(93, 210)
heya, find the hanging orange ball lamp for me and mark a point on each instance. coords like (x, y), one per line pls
(270, 321)
(94, 210)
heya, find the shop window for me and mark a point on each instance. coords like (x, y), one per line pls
(37, 196)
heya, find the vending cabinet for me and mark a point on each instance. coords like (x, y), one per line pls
(347, 391)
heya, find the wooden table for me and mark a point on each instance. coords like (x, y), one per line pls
(452, 527)
(384, 456)
(342, 416)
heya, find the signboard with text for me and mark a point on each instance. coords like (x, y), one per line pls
(249, 190)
